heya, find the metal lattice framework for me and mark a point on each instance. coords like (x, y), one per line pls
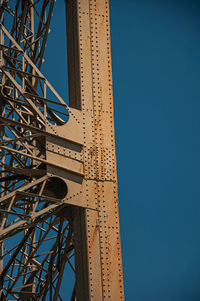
(58, 188)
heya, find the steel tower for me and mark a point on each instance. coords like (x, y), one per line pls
(58, 184)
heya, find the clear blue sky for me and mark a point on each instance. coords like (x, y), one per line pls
(156, 74)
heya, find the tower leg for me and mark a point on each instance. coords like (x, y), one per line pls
(90, 86)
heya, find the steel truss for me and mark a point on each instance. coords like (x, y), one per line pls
(58, 185)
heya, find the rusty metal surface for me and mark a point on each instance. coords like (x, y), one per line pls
(58, 165)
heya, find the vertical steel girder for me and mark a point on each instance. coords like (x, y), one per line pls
(58, 183)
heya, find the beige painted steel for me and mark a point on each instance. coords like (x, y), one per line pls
(96, 99)
(81, 153)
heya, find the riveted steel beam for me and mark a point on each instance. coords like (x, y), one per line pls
(91, 90)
